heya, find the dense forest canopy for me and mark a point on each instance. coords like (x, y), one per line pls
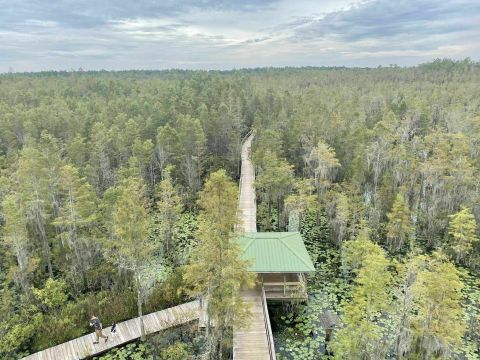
(106, 207)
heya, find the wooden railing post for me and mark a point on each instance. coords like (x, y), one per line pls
(268, 327)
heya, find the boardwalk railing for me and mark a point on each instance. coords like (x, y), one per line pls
(285, 289)
(268, 327)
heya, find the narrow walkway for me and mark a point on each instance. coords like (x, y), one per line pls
(127, 331)
(252, 342)
(247, 204)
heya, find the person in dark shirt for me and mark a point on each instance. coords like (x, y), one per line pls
(97, 325)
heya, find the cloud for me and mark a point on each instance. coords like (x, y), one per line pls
(90, 13)
(385, 19)
(405, 32)
(220, 34)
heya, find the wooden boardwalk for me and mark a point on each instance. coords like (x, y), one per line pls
(247, 203)
(252, 342)
(255, 341)
(127, 331)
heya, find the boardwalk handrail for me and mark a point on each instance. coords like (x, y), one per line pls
(268, 327)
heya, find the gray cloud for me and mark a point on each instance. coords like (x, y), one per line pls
(63, 34)
(385, 19)
(90, 13)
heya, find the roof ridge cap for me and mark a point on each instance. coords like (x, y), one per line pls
(249, 244)
(294, 253)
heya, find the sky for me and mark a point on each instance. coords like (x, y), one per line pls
(37, 35)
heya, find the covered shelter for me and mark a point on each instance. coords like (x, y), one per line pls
(281, 261)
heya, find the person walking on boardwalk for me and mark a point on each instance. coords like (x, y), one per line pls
(97, 325)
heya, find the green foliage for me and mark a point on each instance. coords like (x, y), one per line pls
(132, 351)
(471, 306)
(399, 227)
(69, 142)
(176, 351)
(463, 232)
(302, 200)
(315, 233)
(439, 319)
(322, 162)
(274, 182)
(169, 209)
(185, 230)
(267, 219)
(53, 295)
(364, 331)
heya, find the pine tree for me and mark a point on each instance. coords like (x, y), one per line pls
(35, 192)
(322, 162)
(131, 247)
(169, 206)
(167, 147)
(302, 200)
(399, 227)
(463, 235)
(76, 215)
(439, 320)
(341, 218)
(191, 140)
(216, 271)
(274, 181)
(16, 237)
(362, 336)
(145, 153)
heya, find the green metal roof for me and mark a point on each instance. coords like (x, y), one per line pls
(271, 252)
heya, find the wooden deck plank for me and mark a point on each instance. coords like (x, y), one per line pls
(72, 350)
(159, 321)
(63, 352)
(127, 331)
(251, 342)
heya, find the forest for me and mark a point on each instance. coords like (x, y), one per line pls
(110, 185)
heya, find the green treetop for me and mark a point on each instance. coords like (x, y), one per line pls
(216, 271)
(76, 216)
(463, 235)
(399, 227)
(363, 331)
(438, 321)
(170, 206)
(132, 248)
